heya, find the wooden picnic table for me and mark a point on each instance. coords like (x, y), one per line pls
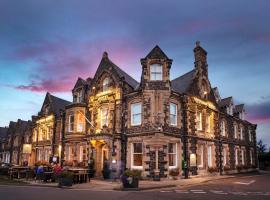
(18, 171)
(80, 175)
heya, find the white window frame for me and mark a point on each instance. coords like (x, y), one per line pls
(156, 71)
(174, 115)
(209, 156)
(251, 156)
(199, 121)
(81, 153)
(174, 155)
(224, 156)
(236, 156)
(132, 114)
(104, 121)
(69, 122)
(250, 135)
(241, 133)
(202, 155)
(243, 156)
(132, 156)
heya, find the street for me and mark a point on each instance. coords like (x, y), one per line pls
(246, 186)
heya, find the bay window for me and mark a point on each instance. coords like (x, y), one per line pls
(136, 114)
(71, 123)
(104, 117)
(173, 114)
(156, 72)
(80, 122)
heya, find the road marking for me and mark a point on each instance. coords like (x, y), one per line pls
(196, 190)
(245, 183)
(199, 192)
(165, 191)
(239, 193)
(218, 192)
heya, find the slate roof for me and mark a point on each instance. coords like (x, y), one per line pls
(58, 104)
(106, 63)
(225, 102)
(79, 82)
(156, 53)
(182, 83)
(239, 108)
(3, 132)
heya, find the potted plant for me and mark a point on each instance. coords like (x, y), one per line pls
(174, 173)
(65, 178)
(106, 169)
(130, 178)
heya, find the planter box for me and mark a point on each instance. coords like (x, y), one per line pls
(65, 182)
(134, 183)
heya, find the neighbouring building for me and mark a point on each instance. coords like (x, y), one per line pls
(155, 125)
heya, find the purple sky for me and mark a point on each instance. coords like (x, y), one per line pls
(46, 45)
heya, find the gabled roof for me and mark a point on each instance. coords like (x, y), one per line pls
(106, 63)
(182, 83)
(239, 108)
(225, 102)
(156, 53)
(216, 94)
(80, 82)
(56, 103)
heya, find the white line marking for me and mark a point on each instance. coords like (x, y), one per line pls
(196, 190)
(199, 192)
(165, 191)
(245, 183)
(239, 193)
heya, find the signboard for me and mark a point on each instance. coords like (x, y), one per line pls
(193, 160)
(27, 148)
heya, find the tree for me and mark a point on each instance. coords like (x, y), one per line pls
(261, 147)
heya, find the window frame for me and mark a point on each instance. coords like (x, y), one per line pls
(140, 167)
(235, 131)
(105, 84)
(71, 124)
(106, 118)
(199, 121)
(174, 155)
(209, 156)
(201, 149)
(173, 114)
(154, 73)
(132, 114)
(223, 128)
(208, 123)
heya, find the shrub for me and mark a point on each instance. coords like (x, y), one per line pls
(212, 169)
(239, 167)
(66, 174)
(174, 172)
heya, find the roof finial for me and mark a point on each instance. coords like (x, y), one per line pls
(198, 43)
(105, 54)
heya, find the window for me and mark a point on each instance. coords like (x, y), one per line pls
(223, 132)
(250, 135)
(78, 97)
(200, 156)
(26, 139)
(235, 131)
(105, 84)
(136, 114)
(137, 155)
(224, 156)
(173, 114)
(156, 72)
(209, 156)
(251, 157)
(243, 156)
(199, 121)
(81, 153)
(172, 154)
(104, 117)
(236, 157)
(71, 123)
(208, 121)
(80, 123)
(241, 133)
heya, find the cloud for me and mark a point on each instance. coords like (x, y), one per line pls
(259, 112)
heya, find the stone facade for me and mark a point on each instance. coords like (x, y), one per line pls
(158, 125)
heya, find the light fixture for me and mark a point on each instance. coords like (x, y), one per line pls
(205, 92)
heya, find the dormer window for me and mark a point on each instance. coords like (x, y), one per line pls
(78, 97)
(46, 109)
(156, 72)
(105, 84)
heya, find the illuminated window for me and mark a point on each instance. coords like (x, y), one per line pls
(80, 122)
(251, 157)
(172, 154)
(156, 72)
(200, 155)
(208, 123)
(78, 96)
(173, 114)
(224, 156)
(136, 114)
(104, 117)
(209, 155)
(137, 155)
(243, 156)
(81, 152)
(223, 129)
(236, 157)
(199, 121)
(71, 123)
(250, 135)
(105, 84)
(241, 133)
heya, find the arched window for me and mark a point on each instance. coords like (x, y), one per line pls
(105, 84)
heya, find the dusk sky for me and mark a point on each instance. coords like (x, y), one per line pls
(46, 45)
